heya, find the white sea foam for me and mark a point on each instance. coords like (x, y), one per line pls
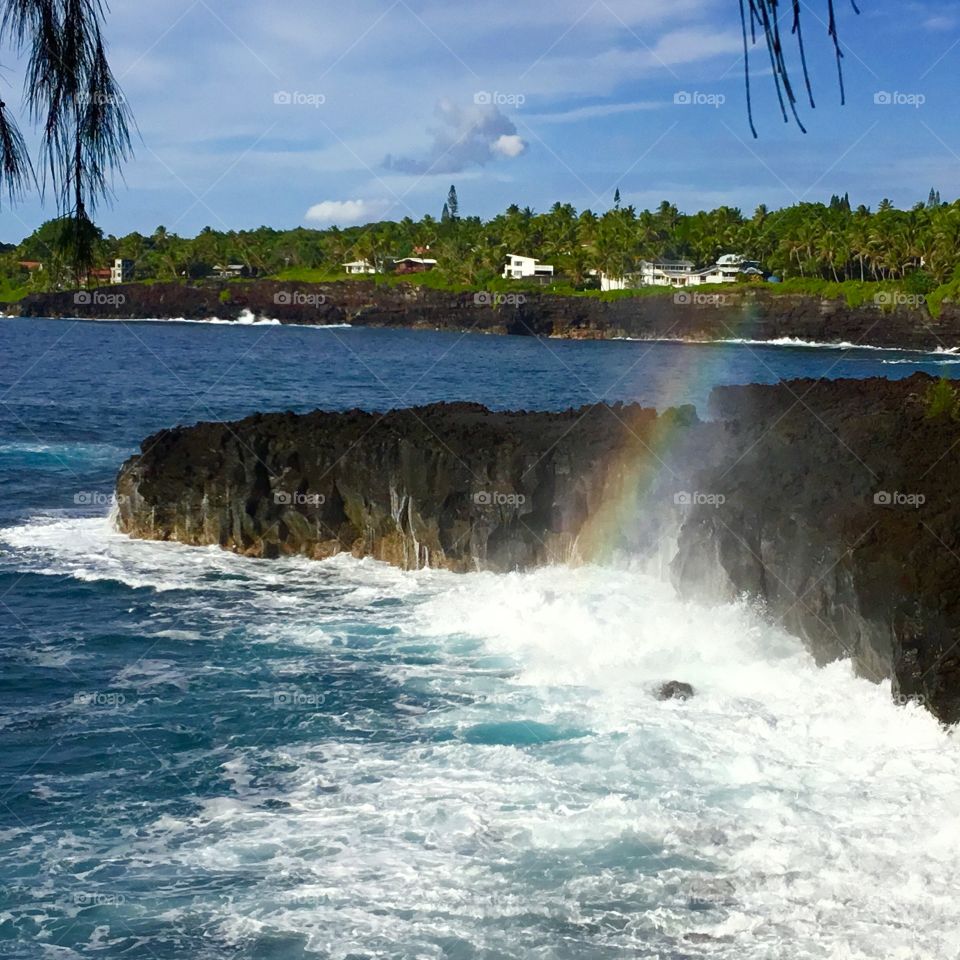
(246, 319)
(791, 342)
(785, 811)
(925, 362)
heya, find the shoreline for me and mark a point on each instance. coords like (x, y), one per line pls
(943, 354)
(746, 314)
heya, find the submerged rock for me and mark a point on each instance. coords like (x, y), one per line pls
(675, 690)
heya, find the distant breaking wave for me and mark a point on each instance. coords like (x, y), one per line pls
(797, 342)
(246, 319)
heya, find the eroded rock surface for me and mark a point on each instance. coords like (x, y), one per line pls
(836, 504)
(447, 485)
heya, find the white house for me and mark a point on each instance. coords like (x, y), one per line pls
(667, 273)
(728, 269)
(359, 266)
(518, 268)
(121, 271)
(659, 273)
(681, 273)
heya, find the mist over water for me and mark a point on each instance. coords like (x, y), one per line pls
(210, 756)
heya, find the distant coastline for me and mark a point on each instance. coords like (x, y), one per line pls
(736, 312)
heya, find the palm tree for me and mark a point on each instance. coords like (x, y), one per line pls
(83, 114)
(859, 237)
(945, 243)
(559, 231)
(762, 18)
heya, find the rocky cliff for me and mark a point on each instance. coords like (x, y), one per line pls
(448, 485)
(833, 503)
(736, 312)
(840, 509)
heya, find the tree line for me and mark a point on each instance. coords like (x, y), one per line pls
(829, 241)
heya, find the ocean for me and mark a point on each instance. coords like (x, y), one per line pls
(206, 756)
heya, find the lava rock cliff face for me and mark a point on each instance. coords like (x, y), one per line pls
(449, 485)
(839, 508)
(835, 504)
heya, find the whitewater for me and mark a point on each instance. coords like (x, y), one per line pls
(206, 756)
(486, 773)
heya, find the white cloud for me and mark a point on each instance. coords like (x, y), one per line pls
(347, 211)
(509, 145)
(465, 136)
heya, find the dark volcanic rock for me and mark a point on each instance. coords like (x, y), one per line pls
(836, 504)
(675, 690)
(841, 512)
(449, 485)
(749, 312)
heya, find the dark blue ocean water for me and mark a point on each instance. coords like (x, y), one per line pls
(205, 756)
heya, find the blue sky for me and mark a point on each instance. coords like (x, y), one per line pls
(307, 113)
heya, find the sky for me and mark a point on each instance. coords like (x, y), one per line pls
(312, 113)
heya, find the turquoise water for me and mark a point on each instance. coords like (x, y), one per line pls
(207, 756)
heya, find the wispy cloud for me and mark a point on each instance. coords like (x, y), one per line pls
(595, 111)
(940, 24)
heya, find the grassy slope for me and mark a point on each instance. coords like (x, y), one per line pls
(435, 280)
(854, 292)
(9, 293)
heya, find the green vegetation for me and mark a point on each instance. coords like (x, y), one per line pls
(10, 293)
(827, 250)
(83, 119)
(856, 293)
(941, 400)
(949, 291)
